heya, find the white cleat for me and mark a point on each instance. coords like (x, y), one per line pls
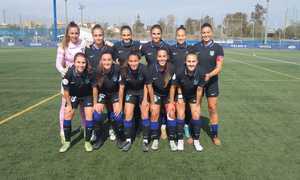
(155, 144)
(173, 145)
(112, 135)
(66, 145)
(198, 146)
(180, 145)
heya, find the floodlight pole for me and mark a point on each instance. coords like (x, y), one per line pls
(66, 12)
(54, 21)
(81, 7)
(266, 21)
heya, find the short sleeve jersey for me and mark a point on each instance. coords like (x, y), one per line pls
(208, 55)
(157, 78)
(79, 85)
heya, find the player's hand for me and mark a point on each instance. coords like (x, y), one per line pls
(108, 43)
(145, 104)
(207, 77)
(64, 71)
(98, 107)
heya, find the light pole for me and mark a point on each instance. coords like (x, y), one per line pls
(267, 18)
(54, 21)
(81, 8)
(66, 12)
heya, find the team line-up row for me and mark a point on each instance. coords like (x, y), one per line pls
(101, 76)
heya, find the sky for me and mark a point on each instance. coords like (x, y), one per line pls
(125, 11)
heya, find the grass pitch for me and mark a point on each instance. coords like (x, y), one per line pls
(259, 111)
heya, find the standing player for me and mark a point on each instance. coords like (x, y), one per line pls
(107, 94)
(71, 44)
(190, 82)
(179, 50)
(210, 56)
(96, 49)
(149, 50)
(135, 80)
(77, 85)
(178, 54)
(125, 46)
(162, 73)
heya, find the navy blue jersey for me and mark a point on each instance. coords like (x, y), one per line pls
(134, 81)
(208, 55)
(79, 85)
(149, 50)
(93, 54)
(178, 53)
(111, 79)
(189, 82)
(122, 50)
(157, 77)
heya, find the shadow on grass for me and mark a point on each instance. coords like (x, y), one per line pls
(205, 125)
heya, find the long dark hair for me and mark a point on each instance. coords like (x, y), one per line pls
(125, 67)
(87, 66)
(100, 72)
(167, 73)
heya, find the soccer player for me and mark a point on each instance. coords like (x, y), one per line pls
(77, 85)
(108, 94)
(135, 80)
(71, 44)
(210, 56)
(161, 74)
(178, 54)
(179, 50)
(190, 82)
(96, 49)
(125, 46)
(94, 52)
(149, 50)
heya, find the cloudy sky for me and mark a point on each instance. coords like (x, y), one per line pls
(125, 11)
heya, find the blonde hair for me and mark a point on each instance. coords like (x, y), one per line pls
(66, 39)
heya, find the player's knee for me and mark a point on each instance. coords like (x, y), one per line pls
(212, 108)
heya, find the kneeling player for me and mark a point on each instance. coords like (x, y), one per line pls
(106, 94)
(162, 72)
(77, 90)
(190, 82)
(135, 80)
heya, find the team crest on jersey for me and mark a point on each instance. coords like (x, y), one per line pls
(149, 54)
(120, 51)
(211, 53)
(174, 77)
(195, 82)
(65, 82)
(73, 99)
(115, 78)
(174, 53)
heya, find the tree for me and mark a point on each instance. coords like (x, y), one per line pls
(170, 27)
(293, 31)
(138, 26)
(236, 25)
(257, 17)
(192, 26)
(163, 24)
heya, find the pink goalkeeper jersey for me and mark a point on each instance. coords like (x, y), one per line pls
(65, 57)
